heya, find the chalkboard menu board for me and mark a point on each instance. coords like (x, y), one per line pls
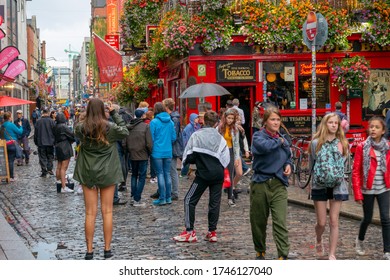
(4, 171)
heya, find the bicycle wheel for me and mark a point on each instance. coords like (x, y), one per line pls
(303, 170)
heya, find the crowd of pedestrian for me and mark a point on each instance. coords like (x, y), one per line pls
(109, 142)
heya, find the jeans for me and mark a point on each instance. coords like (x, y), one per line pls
(116, 194)
(245, 167)
(138, 176)
(174, 177)
(368, 208)
(26, 149)
(152, 169)
(163, 167)
(11, 151)
(123, 157)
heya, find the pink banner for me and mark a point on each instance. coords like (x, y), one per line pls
(7, 55)
(15, 68)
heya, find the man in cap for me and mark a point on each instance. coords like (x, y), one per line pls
(23, 140)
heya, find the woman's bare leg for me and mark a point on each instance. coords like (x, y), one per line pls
(106, 201)
(91, 205)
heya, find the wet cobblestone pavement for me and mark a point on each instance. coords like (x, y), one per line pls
(52, 225)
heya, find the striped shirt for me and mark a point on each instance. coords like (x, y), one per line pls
(378, 186)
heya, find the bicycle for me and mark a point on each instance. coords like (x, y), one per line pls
(301, 163)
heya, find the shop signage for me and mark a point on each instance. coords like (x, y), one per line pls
(112, 40)
(355, 93)
(305, 68)
(236, 71)
(201, 70)
(299, 125)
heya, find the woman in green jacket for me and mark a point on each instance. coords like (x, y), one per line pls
(98, 168)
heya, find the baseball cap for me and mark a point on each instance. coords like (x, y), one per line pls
(19, 112)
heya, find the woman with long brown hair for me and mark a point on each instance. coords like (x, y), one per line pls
(98, 168)
(228, 129)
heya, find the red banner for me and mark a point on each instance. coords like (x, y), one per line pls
(109, 61)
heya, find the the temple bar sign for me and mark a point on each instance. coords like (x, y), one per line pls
(236, 71)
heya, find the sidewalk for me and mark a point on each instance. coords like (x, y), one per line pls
(12, 246)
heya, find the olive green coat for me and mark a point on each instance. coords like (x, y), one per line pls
(98, 164)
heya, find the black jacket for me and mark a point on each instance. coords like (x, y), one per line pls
(64, 137)
(43, 135)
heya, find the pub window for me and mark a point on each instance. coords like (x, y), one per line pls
(305, 84)
(279, 79)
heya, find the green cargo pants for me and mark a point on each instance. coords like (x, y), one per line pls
(270, 195)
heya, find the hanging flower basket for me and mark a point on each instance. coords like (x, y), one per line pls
(350, 73)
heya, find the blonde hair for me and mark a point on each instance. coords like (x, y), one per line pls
(143, 104)
(323, 132)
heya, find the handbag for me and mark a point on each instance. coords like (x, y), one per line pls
(226, 179)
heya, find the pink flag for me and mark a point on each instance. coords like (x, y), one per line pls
(7, 55)
(15, 68)
(109, 61)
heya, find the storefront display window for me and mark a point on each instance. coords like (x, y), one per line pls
(279, 79)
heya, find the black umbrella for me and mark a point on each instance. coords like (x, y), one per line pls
(203, 90)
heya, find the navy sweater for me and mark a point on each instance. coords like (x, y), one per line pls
(270, 157)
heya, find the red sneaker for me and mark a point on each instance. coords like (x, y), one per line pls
(186, 236)
(211, 236)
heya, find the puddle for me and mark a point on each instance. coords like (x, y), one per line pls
(44, 251)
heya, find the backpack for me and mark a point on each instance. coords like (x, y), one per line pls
(178, 145)
(328, 168)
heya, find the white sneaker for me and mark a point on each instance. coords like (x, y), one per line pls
(386, 256)
(153, 180)
(247, 172)
(231, 203)
(139, 204)
(359, 247)
(79, 190)
(66, 190)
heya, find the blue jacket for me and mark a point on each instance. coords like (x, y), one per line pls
(270, 157)
(11, 130)
(190, 128)
(163, 135)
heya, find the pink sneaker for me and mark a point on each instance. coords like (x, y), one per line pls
(186, 236)
(211, 236)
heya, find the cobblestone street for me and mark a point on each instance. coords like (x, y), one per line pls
(44, 219)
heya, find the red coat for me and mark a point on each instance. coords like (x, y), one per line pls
(357, 172)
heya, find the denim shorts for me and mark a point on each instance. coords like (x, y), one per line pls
(327, 194)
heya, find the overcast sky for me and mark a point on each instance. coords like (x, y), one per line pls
(63, 25)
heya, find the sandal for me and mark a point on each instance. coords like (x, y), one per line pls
(332, 257)
(319, 248)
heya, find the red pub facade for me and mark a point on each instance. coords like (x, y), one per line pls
(282, 77)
